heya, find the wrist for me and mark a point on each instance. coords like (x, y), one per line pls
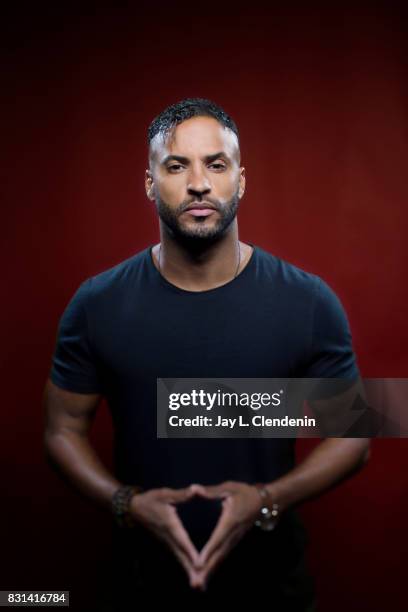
(121, 505)
(269, 511)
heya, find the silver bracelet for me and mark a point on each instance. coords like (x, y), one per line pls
(269, 513)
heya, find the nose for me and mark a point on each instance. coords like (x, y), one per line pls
(198, 184)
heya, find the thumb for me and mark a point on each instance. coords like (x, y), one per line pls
(212, 492)
(181, 495)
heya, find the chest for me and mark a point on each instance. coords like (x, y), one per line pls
(251, 338)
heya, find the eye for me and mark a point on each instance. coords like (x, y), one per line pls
(218, 167)
(174, 168)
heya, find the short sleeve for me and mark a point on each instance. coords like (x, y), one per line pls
(332, 354)
(74, 366)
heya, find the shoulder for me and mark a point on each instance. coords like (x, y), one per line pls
(287, 275)
(299, 286)
(116, 278)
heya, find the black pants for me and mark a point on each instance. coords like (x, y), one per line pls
(266, 569)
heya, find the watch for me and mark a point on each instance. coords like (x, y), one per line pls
(269, 512)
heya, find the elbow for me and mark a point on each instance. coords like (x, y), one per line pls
(360, 458)
(47, 437)
(365, 454)
(49, 448)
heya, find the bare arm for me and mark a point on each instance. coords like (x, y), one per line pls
(68, 419)
(333, 460)
(329, 463)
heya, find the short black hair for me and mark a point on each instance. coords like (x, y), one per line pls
(171, 116)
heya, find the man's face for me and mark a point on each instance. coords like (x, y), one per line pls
(196, 165)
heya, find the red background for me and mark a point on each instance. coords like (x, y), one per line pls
(320, 97)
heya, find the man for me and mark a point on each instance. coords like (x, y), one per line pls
(199, 304)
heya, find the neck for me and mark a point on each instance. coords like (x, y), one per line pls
(203, 268)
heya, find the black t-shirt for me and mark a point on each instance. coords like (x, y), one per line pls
(128, 326)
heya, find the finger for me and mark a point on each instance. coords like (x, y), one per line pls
(185, 562)
(182, 540)
(220, 533)
(177, 496)
(198, 489)
(218, 556)
(213, 491)
(188, 567)
(180, 544)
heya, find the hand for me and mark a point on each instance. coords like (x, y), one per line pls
(155, 509)
(240, 508)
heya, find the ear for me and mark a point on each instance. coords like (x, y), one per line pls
(242, 182)
(149, 185)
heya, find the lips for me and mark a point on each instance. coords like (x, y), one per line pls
(200, 212)
(202, 209)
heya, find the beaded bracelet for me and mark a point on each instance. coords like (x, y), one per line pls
(121, 502)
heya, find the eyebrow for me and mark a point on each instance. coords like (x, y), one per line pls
(185, 160)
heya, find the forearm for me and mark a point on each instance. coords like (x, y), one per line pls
(72, 454)
(332, 461)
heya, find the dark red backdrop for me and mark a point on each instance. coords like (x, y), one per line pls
(320, 97)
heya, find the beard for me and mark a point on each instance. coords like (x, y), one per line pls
(197, 234)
